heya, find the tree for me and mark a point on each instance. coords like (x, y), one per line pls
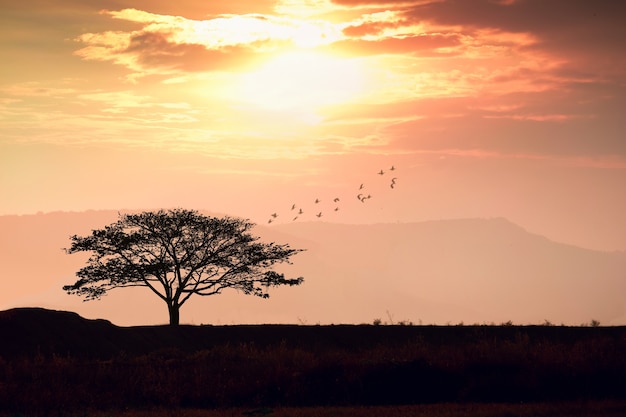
(176, 254)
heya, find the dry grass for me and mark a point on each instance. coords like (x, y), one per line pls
(560, 409)
(64, 368)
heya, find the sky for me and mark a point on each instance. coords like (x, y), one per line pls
(484, 108)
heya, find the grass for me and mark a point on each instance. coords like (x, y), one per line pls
(313, 370)
(566, 409)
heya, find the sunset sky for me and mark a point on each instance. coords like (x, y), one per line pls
(485, 108)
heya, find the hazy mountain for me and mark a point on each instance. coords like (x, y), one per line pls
(465, 270)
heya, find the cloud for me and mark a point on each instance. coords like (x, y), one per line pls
(419, 45)
(507, 63)
(35, 89)
(173, 44)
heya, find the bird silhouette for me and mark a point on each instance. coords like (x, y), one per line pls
(298, 212)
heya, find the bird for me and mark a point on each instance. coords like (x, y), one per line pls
(298, 212)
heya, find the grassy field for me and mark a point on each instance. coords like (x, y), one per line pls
(560, 409)
(58, 364)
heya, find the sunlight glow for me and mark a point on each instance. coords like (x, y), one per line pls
(302, 80)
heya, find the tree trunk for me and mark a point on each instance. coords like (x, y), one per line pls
(174, 311)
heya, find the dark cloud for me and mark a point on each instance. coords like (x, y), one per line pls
(536, 16)
(572, 26)
(368, 28)
(155, 50)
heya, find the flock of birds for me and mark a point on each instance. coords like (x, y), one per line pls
(296, 212)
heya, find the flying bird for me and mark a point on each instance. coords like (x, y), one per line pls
(381, 172)
(336, 208)
(274, 215)
(317, 200)
(336, 199)
(392, 168)
(300, 212)
(361, 187)
(293, 207)
(319, 214)
(295, 218)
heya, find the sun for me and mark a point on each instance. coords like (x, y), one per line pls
(302, 81)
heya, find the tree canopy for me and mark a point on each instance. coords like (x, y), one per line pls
(176, 254)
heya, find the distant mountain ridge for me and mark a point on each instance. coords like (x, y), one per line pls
(469, 263)
(444, 271)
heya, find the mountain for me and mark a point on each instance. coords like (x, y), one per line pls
(470, 270)
(447, 271)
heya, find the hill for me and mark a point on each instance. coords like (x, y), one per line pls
(448, 271)
(30, 332)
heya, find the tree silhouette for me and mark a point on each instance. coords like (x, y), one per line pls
(176, 254)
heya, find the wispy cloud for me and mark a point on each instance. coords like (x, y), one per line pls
(410, 63)
(609, 162)
(173, 44)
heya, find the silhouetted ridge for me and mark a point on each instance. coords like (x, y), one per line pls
(26, 332)
(40, 331)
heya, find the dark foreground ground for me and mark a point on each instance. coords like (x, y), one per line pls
(59, 364)
(561, 409)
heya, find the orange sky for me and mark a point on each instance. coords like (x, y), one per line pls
(485, 108)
